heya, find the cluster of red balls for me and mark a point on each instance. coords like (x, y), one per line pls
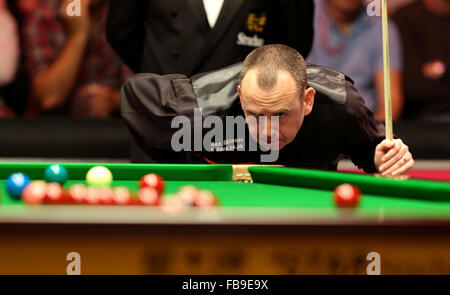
(151, 188)
(150, 193)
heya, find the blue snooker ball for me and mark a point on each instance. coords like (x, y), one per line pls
(56, 173)
(16, 183)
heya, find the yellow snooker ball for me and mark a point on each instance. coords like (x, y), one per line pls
(99, 176)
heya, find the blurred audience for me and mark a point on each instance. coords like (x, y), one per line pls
(9, 53)
(349, 40)
(425, 31)
(393, 5)
(9, 45)
(15, 94)
(73, 70)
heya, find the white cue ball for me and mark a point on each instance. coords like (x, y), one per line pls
(99, 176)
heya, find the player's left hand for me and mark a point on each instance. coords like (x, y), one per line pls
(392, 158)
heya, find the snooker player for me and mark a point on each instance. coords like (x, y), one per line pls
(313, 116)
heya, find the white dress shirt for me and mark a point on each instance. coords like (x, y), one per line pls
(213, 8)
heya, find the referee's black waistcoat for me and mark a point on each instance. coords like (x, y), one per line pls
(174, 36)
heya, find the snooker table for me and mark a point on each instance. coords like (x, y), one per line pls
(272, 220)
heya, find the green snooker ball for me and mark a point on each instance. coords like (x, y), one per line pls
(99, 176)
(56, 173)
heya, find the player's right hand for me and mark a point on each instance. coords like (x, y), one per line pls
(393, 158)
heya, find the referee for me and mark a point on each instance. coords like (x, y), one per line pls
(308, 116)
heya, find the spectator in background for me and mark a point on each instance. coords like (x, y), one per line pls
(9, 53)
(397, 4)
(349, 40)
(16, 93)
(9, 45)
(74, 71)
(424, 27)
(392, 5)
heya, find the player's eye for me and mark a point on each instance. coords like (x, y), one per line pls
(280, 115)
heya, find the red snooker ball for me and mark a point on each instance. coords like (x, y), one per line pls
(106, 195)
(78, 193)
(93, 196)
(346, 195)
(35, 193)
(205, 199)
(54, 193)
(149, 196)
(153, 181)
(188, 194)
(121, 196)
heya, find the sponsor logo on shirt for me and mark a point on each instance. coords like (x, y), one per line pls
(244, 40)
(229, 145)
(190, 137)
(256, 23)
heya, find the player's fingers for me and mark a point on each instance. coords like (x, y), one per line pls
(393, 150)
(406, 167)
(402, 160)
(385, 145)
(395, 161)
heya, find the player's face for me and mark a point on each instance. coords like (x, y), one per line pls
(284, 101)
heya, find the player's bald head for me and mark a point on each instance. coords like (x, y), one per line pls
(269, 60)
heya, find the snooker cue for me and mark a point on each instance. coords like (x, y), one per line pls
(387, 72)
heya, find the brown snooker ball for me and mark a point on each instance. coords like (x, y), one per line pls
(346, 195)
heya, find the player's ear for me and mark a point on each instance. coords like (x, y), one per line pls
(308, 101)
(239, 90)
